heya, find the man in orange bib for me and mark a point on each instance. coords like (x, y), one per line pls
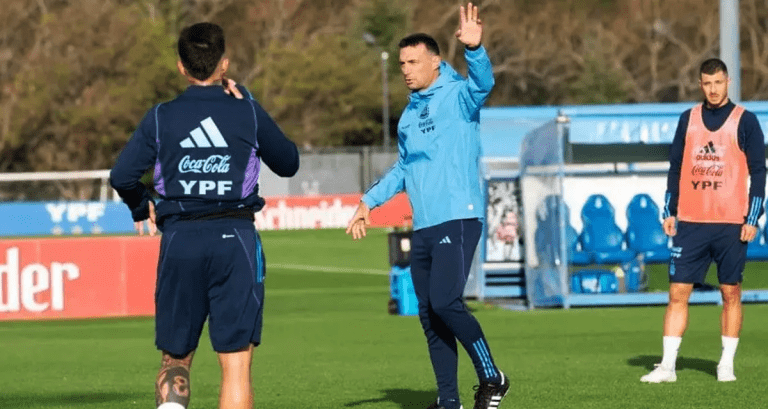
(715, 191)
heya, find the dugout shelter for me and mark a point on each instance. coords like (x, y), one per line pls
(577, 196)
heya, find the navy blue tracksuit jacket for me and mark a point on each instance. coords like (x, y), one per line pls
(205, 148)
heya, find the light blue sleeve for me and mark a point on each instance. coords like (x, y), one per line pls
(479, 82)
(392, 183)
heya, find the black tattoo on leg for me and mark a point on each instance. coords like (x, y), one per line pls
(173, 382)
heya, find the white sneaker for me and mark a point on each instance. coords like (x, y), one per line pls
(725, 374)
(660, 374)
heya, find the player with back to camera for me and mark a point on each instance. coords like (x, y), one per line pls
(438, 167)
(715, 191)
(205, 148)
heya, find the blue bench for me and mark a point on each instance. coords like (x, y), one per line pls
(645, 234)
(601, 237)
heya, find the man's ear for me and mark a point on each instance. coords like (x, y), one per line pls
(181, 68)
(436, 62)
(224, 65)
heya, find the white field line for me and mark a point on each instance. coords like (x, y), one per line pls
(328, 269)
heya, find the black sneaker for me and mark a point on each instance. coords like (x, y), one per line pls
(489, 395)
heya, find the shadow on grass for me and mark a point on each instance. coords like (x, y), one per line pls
(74, 399)
(703, 365)
(406, 398)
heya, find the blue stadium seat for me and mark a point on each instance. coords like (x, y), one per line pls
(601, 237)
(547, 237)
(645, 234)
(757, 249)
(577, 257)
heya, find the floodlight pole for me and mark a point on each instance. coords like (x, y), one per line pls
(371, 40)
(729, 45)
(385, 99)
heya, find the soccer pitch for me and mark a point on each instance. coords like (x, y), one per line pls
(328, 342)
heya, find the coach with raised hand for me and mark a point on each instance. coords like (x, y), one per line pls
(438, 167)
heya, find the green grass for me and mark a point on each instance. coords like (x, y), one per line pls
(329, 343)
(755, 276)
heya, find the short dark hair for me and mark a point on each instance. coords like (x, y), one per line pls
(713, 66)
(420, 38)
(201, 47)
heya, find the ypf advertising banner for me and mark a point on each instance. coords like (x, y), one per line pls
(77, 277)
(64, 218)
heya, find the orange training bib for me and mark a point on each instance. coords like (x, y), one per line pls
(714, 172)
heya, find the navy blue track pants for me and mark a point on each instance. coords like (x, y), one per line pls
(441, 257)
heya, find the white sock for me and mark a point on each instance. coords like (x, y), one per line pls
(170, 405)
(729, 351)
(671, 346)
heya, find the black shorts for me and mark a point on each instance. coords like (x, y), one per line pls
(209, 269)
(696, 245)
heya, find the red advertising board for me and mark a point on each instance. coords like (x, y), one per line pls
(90, 277)
(330, 211)
(77, 277)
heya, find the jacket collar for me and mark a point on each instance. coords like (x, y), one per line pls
(728, 106)
(199, 90)
(446, 76)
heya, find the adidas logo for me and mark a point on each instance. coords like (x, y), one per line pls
(708, 148)
(445, 240)
(199, 138)
(708, 153)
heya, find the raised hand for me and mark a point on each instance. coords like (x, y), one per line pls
(470, 30)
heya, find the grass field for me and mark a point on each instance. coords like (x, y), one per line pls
(329, 343)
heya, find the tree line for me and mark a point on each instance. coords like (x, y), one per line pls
(76, 76)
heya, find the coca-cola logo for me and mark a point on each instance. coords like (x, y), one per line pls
(712, 170)
(212, 164)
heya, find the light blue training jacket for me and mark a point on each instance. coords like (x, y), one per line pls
(439, 146)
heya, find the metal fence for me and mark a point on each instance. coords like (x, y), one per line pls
(330, 172)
